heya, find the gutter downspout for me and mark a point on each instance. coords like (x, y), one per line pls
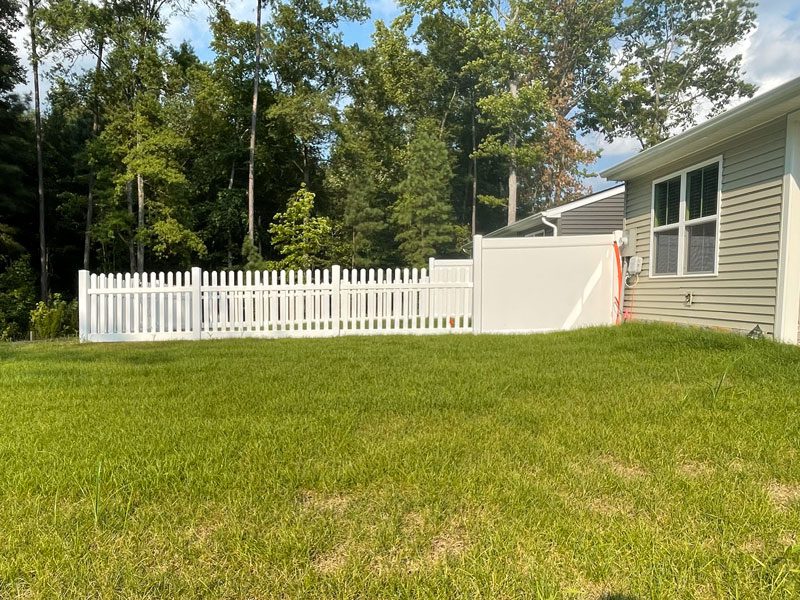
(553, 226)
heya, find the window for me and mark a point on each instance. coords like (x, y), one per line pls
(685, 219)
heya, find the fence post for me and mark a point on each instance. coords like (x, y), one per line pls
(477, 277)
(431, 267)
(83, 305)
(336, 286)
(197, 303)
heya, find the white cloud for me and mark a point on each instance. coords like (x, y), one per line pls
(621, 146)
(770, 54)
(384, 9)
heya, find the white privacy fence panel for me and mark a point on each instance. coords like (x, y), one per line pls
(305, 303)
(528, 285)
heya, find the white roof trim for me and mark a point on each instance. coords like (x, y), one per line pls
(762, 109)
(554, 213)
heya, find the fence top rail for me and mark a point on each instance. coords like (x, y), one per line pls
(149, 289)
(406, 285)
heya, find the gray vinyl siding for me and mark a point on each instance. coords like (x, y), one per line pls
(743, 292)
(603, 216)
(530, 231)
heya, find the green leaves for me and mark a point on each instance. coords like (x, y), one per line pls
(301, 238)
(675, 58)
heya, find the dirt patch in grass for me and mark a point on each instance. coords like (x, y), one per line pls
(413, 522)
(610, 506)
(694, 469)
(333, 560)
(321, 502)
(783, 495)
(585, 589)
(447, 545)
(625, 470)
(451, 544)
(752, 546)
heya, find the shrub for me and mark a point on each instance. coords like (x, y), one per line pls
(54, 319)
(17, 296)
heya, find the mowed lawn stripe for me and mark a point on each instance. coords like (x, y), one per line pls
(642, 461)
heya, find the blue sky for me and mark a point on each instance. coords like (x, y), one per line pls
(771, 53)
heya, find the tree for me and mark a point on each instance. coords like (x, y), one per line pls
(574, 51)
(308, 63)
(34, 33)
(423, 213)
(301, 238)
(675, 67)
(515, 100)
(253, 119)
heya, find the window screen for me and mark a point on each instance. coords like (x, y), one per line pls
(701, 192)
(666, 247)
(667, 201)
(700, 244)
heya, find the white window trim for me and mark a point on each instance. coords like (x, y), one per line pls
(683, 223)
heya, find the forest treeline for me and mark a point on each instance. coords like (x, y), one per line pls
(291, 148)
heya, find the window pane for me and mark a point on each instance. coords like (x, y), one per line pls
(694, 194)
(660, 203)
(667, 201)
(700, 247)
(701, 192)
(666, 250)
(710, 184)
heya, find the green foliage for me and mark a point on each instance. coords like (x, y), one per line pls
(675, 59)
(168, 238)
(423, 214)
(53, 319)
(253, 261)
(301, 238)
(17, 296)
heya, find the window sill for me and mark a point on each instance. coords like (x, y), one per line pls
(684, 276)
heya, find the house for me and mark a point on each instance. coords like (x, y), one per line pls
(602, 212)
(714, 214)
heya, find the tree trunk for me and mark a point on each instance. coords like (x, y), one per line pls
(306, 167)
(87, 238)
(43, 280)
(129, 196)
(251, 169)
(512, 167)
(140, 224)
(230, 236)
(474, 176)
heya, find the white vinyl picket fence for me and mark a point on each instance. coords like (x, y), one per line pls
(200, 304)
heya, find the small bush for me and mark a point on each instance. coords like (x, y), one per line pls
(57, 318)
(17, 296)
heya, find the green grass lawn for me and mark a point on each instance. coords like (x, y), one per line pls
(634, 462)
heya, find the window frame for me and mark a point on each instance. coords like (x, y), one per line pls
(683, 223)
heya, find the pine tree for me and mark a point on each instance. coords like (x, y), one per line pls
(423, 213)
